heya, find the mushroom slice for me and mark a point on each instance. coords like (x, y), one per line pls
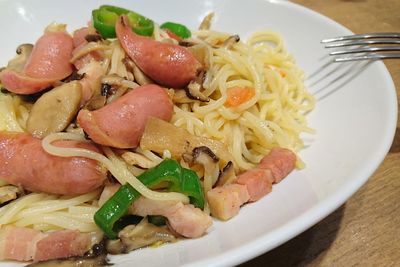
(204, 156)
(227, 175)
(178, 141)
(231, 41)
(8, 192)
(202, 54)
(96, 102)
(179, 96)
(75, 76)
(87, 48)
(116, 80)
(206, 23)
(193, 91)
(138, 74)
(93, 38)
(19, 61)
(140, 77)
(137, 236)
(55, 110)
(138, 160)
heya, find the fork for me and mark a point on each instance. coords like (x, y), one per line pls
(370, 44)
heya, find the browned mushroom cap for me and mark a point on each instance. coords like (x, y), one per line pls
(18, 62)
(227, 175)
(138, 74)
(231, 41)
(93, 38)
(9, 192)
(137, 236)
(204, 155)
(201, 155)
(55, 110)
(179, 96)
(193, 90)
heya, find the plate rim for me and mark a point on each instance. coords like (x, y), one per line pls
(322, 209)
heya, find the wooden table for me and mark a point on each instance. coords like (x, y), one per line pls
(365, 231)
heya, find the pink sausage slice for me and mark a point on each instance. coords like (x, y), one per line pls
(121, 123)
(79, 36)
(48, 63)
(24, 162)
(50, 57)
(168, 64)
(21, 84)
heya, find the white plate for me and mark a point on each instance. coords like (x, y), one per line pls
(355, 119)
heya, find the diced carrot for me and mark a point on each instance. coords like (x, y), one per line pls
(282, 73)
(239, 95)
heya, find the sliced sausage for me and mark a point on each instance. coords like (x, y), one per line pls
(19, 83)
(24, 162)
(48, 63)
(168, 64)
(50, 57)
(121, 123)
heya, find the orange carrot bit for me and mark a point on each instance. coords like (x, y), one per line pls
(282, 73)
(239, 95)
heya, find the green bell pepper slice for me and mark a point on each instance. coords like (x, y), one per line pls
(168, 171)
(178, 29)
(105, 17)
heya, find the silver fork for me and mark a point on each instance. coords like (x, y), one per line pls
(371, 44)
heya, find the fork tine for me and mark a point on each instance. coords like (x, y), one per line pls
(363, 36)
(376, 56)
(366, 49)
(362, 42)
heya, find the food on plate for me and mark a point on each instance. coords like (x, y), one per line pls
(126, 133)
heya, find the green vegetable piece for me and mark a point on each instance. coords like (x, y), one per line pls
(169, 171)
(114, 209)
(114, 9)
(106, 16)
(178, 29)
(141, 25)
(106, 29)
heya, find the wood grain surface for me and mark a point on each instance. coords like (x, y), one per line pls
(365, 231)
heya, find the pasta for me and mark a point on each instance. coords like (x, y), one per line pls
(275, 116)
